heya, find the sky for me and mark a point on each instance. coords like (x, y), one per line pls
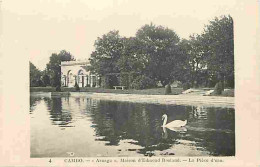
(38, 28)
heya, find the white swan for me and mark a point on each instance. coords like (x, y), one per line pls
(173, 124)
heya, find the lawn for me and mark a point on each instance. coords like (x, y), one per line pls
(154, 91)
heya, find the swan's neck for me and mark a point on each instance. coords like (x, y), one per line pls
(164, 121)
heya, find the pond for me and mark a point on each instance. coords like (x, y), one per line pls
(85, 127)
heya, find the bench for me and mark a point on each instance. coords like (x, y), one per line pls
(121, 87)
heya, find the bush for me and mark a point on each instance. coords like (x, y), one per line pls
(186, 86)
(230, 82)
(124, 79)
(218, 88)
(168, 89)
(110, 80)
(143, 82)
(77, 87)
(228, 93)
(58, 89)
(46, 80)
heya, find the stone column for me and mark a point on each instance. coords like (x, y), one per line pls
(91, 81)
(75, 79)
(86, 83)
(97, 81)
(65, 80)
(68, 81)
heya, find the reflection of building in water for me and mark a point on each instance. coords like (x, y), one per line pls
(92, 102)
(58, 115)
(73, 72)
(199, 112)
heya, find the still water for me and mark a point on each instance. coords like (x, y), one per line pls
(89, 128)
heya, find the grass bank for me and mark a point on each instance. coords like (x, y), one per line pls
(226, 93)
(154, 91)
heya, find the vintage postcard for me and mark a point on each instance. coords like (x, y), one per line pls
(129, 83)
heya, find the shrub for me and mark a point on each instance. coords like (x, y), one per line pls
(58, 89)
(46, 80)
(103, 82)
(143, 82)
(107, 83)
(218, 88)
(77, 87)
(124, 79)
(110, 80)
(186, 86)
(228, 93)
(230, 82)
(168, 89)
(39, 83)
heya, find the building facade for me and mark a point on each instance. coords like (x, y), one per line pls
(73, 72)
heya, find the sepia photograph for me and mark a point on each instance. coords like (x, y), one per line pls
(161, 91)
(129, 83)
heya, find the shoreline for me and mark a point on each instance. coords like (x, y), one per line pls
(188, 100)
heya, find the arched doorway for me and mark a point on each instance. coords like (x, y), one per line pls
(81, 78)
(69, 79)
(64, 80)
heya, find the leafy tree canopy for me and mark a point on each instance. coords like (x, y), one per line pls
(53, 67)
(131, 59)
(35, 75)
(218, 42)
(160, 51)
(107, 52)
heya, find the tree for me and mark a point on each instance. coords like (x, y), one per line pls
(53, 67)
(131, 59)
(35, 75)
(54, 70)
(108, 50)
(160, 52)
(184, 72)
(65, 56)
(196, 59)
(218, 41)
(45, 78)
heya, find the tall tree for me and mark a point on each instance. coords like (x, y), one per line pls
(35, 75)
(218, 40)
(53, 67)
(45, 78)
(108, 50)
(65, 56)
(160, 50)
(184, 72)
(196, 60)
(131, 59)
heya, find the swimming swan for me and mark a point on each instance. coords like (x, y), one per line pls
(173, 124)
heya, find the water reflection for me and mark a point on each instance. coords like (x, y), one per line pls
(128, 129)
